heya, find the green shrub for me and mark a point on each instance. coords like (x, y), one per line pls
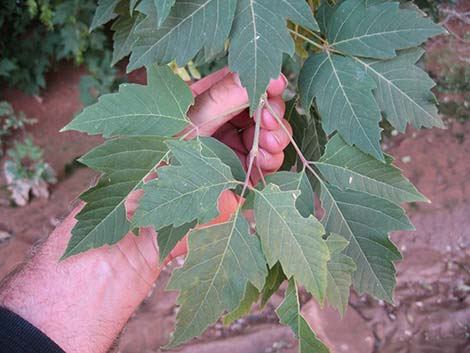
(36, 34)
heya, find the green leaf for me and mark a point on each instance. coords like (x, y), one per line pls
(323, 15)
(132, 4)
(377, 31)
(309, 136)
(340, 269)
(185, 192)
(104, 13)
(365, 220)
(273, 282)
(251, 297)
(289, 314)
(169, 236)
(124, 35)
(257, 42)
(156, 109)
(191, 26)
(214, 148)
(125, 162)
(404, 90)
(289, 181)
(296, 242)
(297, 11)
(347, 167)
(222, 260)
(308, 133)
(163, 9)
(344, 98)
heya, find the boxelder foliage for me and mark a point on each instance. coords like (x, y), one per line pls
(358, 67)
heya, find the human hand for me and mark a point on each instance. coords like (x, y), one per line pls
(92, 295)
(215, 95)
(220, 93)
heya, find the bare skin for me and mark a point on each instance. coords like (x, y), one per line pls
(84, 302)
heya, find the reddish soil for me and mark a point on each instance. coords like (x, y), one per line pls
(432, 298)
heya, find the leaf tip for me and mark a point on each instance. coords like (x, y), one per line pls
(66, 128)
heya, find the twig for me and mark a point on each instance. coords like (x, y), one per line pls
(260, 172)
(316, 36)
(255, 147)
(315, 44)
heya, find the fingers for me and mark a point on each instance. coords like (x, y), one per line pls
(274, 141)
(211, 108)
(229, 135)
(222, 97)
(269, 162)
(277, 86)
(268, 121)
(204, 84)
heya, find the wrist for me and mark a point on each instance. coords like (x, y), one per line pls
(87, 298)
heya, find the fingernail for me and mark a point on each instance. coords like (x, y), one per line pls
(236, 79)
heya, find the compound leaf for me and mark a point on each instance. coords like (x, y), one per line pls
(365, 220)
(347, 167)
(377, 31)
(190, 26)
(344, 98)
(289, 314)
(125, 162)
(156, 109)
(404, 90)
(223, 259)
(185, 192)
(340, 269)
(296, 242)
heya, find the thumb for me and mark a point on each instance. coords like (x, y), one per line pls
(210, 108)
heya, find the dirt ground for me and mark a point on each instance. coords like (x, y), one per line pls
(432, 312)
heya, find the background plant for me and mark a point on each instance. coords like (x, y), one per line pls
(10, 123)
(26, 173)
(53, 30)
(351, 65)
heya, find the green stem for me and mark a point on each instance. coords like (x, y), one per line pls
(315, 44)
(255, 147)
(323, 41)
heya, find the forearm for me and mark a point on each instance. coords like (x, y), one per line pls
(84, 302)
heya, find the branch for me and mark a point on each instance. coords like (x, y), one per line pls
(255, 147)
